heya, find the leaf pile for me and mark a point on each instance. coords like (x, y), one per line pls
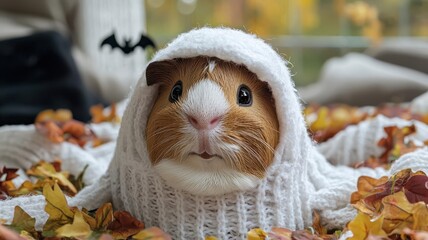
(395, 144)
(43, 173)
(59, 126)
(326, 121)
(66, 222)
(390, 207)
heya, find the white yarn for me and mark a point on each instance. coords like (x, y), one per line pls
(299, 180)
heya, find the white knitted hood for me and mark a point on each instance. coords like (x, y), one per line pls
(281, 199)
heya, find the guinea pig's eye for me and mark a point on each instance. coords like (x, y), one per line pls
(244, 96)
(176, 92)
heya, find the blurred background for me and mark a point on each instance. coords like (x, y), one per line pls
(306, 32)
(339, 51)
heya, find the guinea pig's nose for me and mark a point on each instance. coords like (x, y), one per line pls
(204, 124)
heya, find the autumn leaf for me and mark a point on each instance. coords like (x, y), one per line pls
(211, 238)
(280, 234)
(98, 115)
(78, 181)
(58, 126)
(362, 226)
(60, 115)
(316, 224)
(124, 225)
(28, 187)
(7, 174)
(6, 184)
(373, 188)
(44, 170)
(420, 216)
(397, 213)
(304, 235)
(57, 208)
(394, 142)
(256, 234)
(22, 221)
(51, 130)
(416, 189)
(104, 216)
(154, 233)
(79, 227)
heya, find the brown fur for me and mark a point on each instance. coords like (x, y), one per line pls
(242, 125)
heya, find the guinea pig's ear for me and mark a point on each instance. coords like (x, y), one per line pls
(158, 72)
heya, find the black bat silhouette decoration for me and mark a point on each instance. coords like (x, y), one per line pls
(127, 48)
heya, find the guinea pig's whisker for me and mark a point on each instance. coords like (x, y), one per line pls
(258, 139)
(158, 132)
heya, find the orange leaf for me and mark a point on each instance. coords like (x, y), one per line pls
(104, 216)
(75, 128)
(51, 130)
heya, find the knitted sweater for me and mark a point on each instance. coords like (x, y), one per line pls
(299, 180)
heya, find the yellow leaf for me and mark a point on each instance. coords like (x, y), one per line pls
(322, 121)
(57, 208)
(211, 238)
(155, 233)
(420, 216)
(362, 226)
(45, 169)
(79, 228)
(22, 221)
(256, 234)
(26, 235)
(89, 219)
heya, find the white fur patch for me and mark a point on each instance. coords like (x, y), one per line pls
(204, 177)
(205, 100)
(211, 66)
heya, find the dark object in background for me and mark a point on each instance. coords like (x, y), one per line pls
(37, 72)
(144, 42)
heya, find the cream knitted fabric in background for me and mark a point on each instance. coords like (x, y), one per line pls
(299, 180)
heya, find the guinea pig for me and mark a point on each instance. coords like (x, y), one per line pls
(213, 127)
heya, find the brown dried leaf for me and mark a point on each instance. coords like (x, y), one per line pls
(416, 189)
(124, 225)
(104, 216)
